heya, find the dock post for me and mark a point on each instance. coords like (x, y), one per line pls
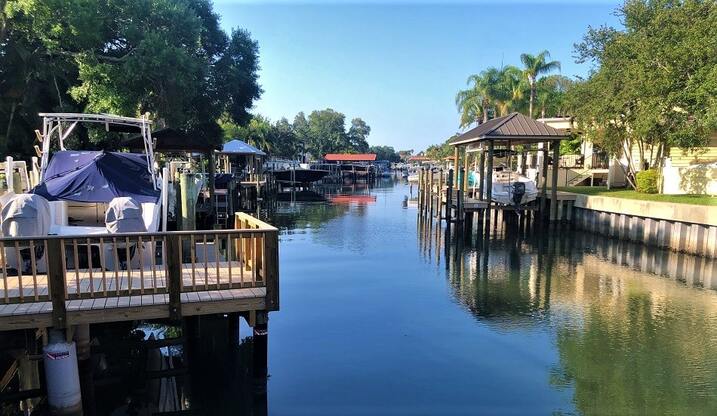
(481, 169)
(449, 195)
(420, 191)
(464, 169)
(439, 189)
(544, 180)
(260, 340)
(554, 183)
(84, 365)
(456, 164)
(489, 177)
(187, 184)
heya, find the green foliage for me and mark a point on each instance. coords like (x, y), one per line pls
(129, 57)
(385, 153)
(647, 181)
(654, 85)
(497, 92)
(439, 151)
(571, 146)
(534, 66)
(324, 131)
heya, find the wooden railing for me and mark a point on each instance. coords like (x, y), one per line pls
(101, 269)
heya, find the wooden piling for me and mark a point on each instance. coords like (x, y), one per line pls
(554, 183)
(544, 179)
(489, 176)
(481, 169)
(449, 195)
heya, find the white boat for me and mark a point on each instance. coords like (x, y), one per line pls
(69, 182)
(511, 188)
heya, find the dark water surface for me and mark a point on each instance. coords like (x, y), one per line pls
(378, 317)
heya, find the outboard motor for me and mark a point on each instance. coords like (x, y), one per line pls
(124, 215)
(518, 192)
(26, 215)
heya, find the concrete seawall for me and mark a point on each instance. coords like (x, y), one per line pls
(679, 227)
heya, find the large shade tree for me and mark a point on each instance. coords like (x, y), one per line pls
(654, 83)
(129, 57)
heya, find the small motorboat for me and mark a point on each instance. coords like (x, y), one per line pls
(511, 188)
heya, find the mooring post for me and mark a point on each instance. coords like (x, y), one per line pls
(260, 340)
(430, 193)
(449, 195)
(439, 189)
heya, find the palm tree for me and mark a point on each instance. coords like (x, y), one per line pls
(550, 95)
(474, 102)
(510, 89)
(535, 65)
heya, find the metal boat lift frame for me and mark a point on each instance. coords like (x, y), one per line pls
(52, 124)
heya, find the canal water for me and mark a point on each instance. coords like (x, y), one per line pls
(380, 316)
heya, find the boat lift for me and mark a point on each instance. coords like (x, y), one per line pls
(62, 125)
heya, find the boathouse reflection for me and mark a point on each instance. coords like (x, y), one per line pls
(634, 326)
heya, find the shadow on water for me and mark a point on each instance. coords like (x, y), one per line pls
(635, 327)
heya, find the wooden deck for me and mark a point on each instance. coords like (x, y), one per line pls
(221, 272)
(132, 307)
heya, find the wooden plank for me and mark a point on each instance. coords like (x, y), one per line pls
(56, 278)
(174, 276)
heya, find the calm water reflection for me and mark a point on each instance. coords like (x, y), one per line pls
(380, 316)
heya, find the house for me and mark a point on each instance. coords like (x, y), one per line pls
(683, 172)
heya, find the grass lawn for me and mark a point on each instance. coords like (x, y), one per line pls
(631, 194)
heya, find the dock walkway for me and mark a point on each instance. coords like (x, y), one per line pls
(169, 275)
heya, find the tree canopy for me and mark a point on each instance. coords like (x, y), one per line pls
(654, 84)
(323, 131)
(496, 92)
(128, 57)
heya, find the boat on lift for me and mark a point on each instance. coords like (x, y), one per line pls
(510, 187)
(80, 184)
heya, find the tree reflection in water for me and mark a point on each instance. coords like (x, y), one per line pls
(635, 327)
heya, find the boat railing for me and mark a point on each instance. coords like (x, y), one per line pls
(106, 269)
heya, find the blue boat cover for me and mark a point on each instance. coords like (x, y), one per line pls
(97, 176)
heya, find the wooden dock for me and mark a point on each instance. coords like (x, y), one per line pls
(69, 280)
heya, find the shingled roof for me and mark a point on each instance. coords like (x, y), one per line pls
(514, 127)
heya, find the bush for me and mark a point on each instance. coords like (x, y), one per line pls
(647, 181)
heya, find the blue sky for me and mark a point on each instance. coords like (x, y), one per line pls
(398, 66)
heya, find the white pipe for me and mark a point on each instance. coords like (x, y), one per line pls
(8, 174)
(61, 375)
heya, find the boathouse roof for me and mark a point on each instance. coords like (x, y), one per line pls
(514, 127)
(171, 140)
(350, 157)
(238, 147)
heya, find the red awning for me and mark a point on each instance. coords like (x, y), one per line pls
(350, 157)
